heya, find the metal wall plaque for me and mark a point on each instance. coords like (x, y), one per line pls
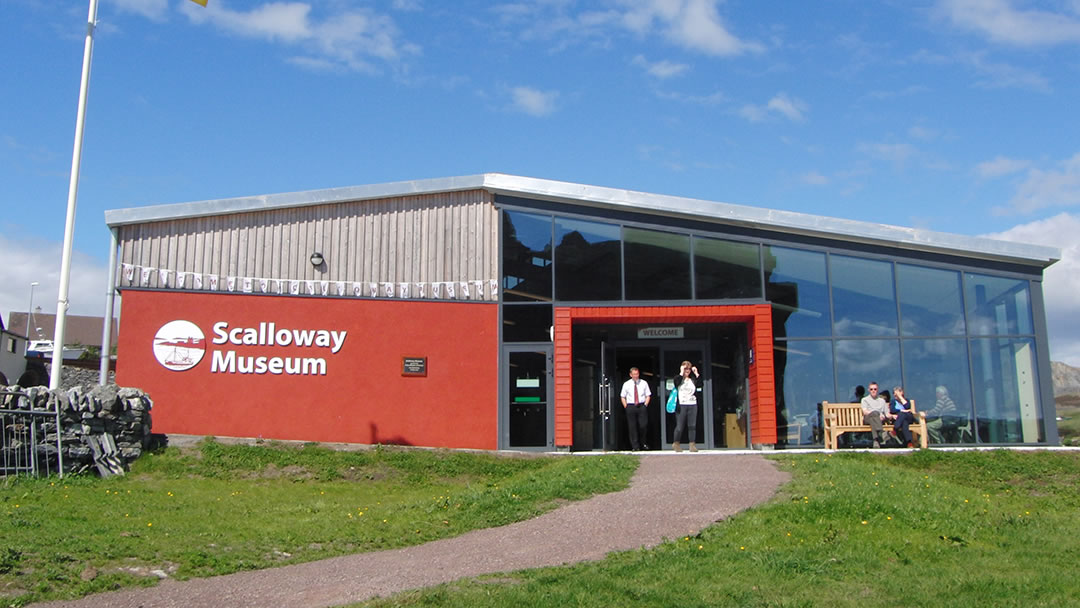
(414, 366)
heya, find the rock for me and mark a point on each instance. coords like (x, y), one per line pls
(89, 573)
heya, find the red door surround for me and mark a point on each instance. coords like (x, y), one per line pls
(758, 319)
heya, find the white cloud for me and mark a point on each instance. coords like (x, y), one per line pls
(1000, 166)
(1061, 282)
(923, 133)
(660, 69)
(693, 24)
(348, 39)
(533, 101)
(1049, 188)
(154, 10)
(1004, 23)
(814, 178)
(711, 99)
(894, 153)
(792, 108)
(29, 259)
(407, 5)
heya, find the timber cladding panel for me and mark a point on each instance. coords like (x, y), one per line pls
(451, 236)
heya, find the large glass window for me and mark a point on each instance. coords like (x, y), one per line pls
(997, 305)
(863, 294)
(804, 378)
(930, 301)
(936, 376)
(527, 323)
(1006, 390)
(657, 265)
(526, 257)
(860, 362)
(795, 285)
(726, 269)
(588, 260)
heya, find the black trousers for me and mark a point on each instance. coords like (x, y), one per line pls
(686, 417)
(637, 423)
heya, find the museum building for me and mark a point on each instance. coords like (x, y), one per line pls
(502, 312)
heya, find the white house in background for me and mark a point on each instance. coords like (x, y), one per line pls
(12, 359)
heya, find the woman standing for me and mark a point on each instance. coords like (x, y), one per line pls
(904, 411)
(686, 411)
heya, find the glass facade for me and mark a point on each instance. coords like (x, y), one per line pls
(960, 339)
(796, 285)
(657, 265)
(589, 258)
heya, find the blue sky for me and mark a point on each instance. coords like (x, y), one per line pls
(952, 115)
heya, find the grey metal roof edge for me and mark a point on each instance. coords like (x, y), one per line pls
(247, 204)
(599, 196)
(784, 221)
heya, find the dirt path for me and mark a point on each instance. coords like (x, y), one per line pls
(669, 496)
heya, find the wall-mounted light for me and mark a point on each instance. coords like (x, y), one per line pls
(316, 259)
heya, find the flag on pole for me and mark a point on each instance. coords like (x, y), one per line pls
(200, 2)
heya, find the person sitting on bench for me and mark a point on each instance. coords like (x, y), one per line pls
(875, 412)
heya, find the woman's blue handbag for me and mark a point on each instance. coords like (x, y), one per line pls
(672, 400)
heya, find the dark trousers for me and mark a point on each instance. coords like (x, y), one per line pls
(686, 416)
(637, 423)
(901, 426)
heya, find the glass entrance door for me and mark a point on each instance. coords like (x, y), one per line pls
(529, 417)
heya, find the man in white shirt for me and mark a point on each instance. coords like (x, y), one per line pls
(635, 396)
(875, 412)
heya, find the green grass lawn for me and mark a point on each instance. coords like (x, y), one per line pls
(218, 508)
(930, 528)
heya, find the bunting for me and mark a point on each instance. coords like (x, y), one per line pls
(143, 276)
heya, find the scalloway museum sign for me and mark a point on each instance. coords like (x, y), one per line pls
(180, 345)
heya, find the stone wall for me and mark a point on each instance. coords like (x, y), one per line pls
(92, 419)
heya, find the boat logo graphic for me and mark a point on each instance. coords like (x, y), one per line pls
(179, 345)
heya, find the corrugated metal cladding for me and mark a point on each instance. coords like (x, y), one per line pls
(427, 238)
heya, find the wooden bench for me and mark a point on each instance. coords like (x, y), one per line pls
(840, 418)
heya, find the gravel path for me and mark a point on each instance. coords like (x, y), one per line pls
(669, 496)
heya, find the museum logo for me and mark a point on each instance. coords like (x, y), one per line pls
(179, 345)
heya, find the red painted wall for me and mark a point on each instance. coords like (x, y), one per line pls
(362, 398)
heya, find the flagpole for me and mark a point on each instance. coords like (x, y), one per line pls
(73, 190)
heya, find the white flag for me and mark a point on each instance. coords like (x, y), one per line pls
(230, 283)
(388, 289)
(279, 286)
(144, 277)
(294, 287)
(420, 290)
(324, 287)
(246, 285)
(340, 288)
(436, 290)
(129, 272)
(357, 289)
(163, 277)
(181, 279)
(264, 284)
(478, 289)
(373, 290)
(403, 290)
(493, 288)
(450, 290)
(213, 281)
(196, 280)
